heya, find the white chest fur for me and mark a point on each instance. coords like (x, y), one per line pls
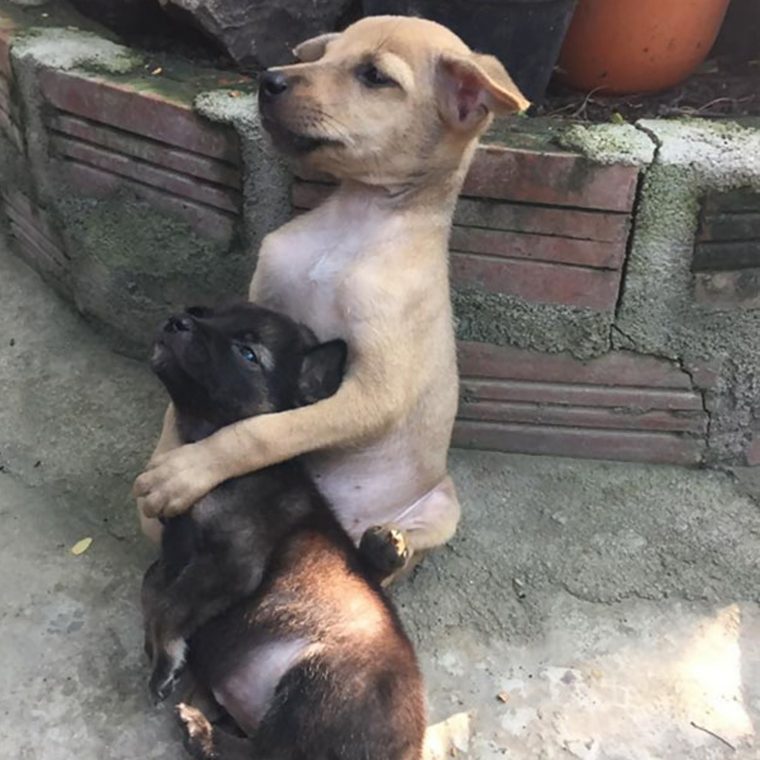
(305, 267)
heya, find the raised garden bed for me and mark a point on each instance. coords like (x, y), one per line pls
(605, 306)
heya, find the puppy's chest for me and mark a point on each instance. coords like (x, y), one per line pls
(307, 279)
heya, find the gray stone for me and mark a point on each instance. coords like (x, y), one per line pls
(260, 32)
(119, 15)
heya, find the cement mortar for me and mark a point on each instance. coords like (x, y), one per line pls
(266, 180)
(609, 143)
(506, 320)
(69, 49)
(658, 314)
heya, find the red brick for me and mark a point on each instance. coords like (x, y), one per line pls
(664, 448)
(559, 179)
(608, 227)
(547, 248)
(583, 417)
(617, 368)
(706, 373)
(728, 290)
(148, 174)
(33, 237)
(28, 245)
(5, 92)
(538, 282)
(31, 222)
(7, 29)
(620, 396)
(735, 226)
(8, 126)
(752, 453)
(602, 226)
(554, 179)
(139, 112)
(151, 151)
(208, 222)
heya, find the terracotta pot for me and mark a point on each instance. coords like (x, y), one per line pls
(638, 45)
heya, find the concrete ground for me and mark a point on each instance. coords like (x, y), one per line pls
(586, 610)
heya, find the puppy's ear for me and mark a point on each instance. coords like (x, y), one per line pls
(313, 49)
(321, 371)
(470, 88)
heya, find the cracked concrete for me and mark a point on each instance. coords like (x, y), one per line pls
(585, 610)
(657, 313)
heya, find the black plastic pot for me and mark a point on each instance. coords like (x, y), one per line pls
(525, 35)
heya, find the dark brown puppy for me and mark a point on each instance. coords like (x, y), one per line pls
(285, 624)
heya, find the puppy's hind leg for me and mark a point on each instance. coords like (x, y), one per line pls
(168, 662)
(434, 520)
(392, 550)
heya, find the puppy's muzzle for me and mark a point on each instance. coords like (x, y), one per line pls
(178, 323)
(272, 85)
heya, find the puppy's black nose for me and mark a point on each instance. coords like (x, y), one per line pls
(272, 84)
(180, 323)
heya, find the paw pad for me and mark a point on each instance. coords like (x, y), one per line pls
(385, 549)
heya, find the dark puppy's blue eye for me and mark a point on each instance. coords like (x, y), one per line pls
(248, 354)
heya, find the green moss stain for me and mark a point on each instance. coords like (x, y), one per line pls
(609, 143)
(68, 49)
(133, 264)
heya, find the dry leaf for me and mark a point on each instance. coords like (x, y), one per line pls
(617, 118)
(503, 696)
(156, 71)
(234, 93)
(81, 546)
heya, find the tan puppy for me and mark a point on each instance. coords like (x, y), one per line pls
(392, 107)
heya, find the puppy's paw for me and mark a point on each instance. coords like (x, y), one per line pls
(384, 549)
(198, 732)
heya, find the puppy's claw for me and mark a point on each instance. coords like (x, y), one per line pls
(385, 549)
(198, 732)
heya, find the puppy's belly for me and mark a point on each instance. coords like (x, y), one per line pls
(247, 692)
(375, 484)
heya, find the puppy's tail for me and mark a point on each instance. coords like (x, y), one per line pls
(449, 738)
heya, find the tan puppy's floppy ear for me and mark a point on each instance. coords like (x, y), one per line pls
(313, 49)
(474, 86)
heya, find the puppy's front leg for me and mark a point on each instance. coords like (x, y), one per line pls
(372, 397)
(169, 439)
(202, 590)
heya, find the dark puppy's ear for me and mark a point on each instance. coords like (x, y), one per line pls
(321, 371)
(306, 335)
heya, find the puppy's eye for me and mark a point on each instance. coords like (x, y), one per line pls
(370, 76)
(248, 354)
